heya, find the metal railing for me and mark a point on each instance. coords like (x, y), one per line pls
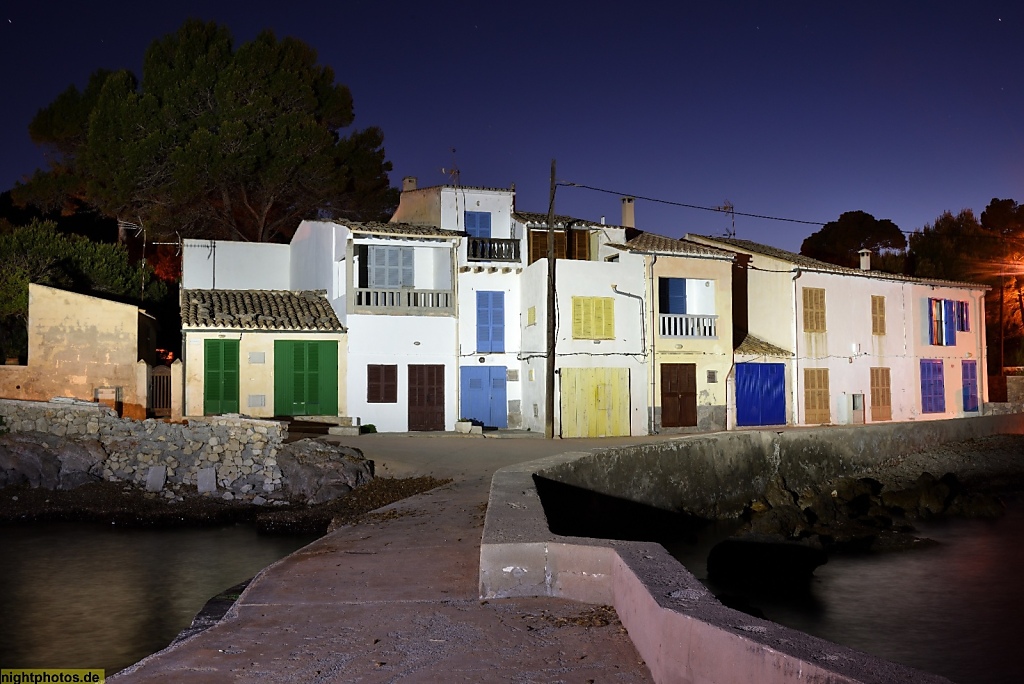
(403, 301)
(492, 249)
(685, 325)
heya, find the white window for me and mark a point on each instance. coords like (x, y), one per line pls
(390, 267)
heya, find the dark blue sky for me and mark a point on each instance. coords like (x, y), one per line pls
(800, 110)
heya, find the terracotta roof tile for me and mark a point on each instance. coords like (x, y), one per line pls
(651, 242)
(377, 228)
(809, 263)
(258, 310)
(535, 218)
(755, 346)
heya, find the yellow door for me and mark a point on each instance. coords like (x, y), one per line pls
(595, 402)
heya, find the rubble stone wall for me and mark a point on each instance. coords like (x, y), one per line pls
(242, 451)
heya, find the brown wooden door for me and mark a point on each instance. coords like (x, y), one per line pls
(678, 394)
(426, 397)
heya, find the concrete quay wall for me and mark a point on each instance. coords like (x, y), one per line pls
(683, 633)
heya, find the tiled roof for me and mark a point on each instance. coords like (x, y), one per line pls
(376, 228)
(258, 310)
(809, 263)
(755, 346)
(560, 220)
(650, 242)
(448, 186)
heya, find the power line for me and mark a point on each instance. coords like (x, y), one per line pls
(717, 210)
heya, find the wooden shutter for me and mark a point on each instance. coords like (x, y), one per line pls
(949, 320)
(478, 224)
(284, 362)
(877, 315)
(579, 318)
(539, 244)
(490, 321)
(531, 316)
(406, 277)
(607, 318)
(933, 391)
(814, 309)
(381, 384)
(220, 382)
(580, 245)
(817, 402)
(881, 394)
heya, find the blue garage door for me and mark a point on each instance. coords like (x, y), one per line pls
(760, 394)
(483, 395)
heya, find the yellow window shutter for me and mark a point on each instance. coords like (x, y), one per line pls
(608, 318)
(579, 304)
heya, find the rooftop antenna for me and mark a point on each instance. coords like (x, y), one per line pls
(453, 172)
(728, 208)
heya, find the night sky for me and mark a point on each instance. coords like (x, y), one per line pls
(799, 110)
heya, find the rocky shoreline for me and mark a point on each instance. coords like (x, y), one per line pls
(787, 533)
(119, 503)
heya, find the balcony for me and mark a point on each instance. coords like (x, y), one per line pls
(684, 325)
(404, 301)
(492, 249)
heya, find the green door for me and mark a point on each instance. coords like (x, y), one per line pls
(220, 385)
(305, 378)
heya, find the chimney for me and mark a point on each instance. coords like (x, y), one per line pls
(627, 212)
(865, 259)
(408, 183)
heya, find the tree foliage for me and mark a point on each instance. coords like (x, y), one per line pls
(953, 247)
(838, 242)
(38, 253)
(215, 142)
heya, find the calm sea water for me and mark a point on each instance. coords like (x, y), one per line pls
(89, 596)
(953, 609)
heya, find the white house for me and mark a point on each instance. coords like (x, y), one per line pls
(865, 346)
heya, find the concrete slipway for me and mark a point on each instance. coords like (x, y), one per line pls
(398, 599)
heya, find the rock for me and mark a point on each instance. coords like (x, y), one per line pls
(786, 521)
(155, 478)
(315, 472)
(48, 461)
(753, 562)
(975, 505)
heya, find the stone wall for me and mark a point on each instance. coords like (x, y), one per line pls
(238, 454)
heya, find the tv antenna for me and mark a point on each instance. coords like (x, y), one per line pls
(728, 208)
(453, 172)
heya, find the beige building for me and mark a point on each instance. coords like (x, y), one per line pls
(262, 353)
(85, 348)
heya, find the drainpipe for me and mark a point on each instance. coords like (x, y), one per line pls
(652, 426)
(796, 353)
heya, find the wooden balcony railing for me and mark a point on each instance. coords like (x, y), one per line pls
(492, 249)
(684, 325)
(403, 301)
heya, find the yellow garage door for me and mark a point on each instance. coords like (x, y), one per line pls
(595, 402)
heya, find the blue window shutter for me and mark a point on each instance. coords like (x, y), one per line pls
(931, 322)
(497, 321)
(933, 392)
(478, 224)
(490, 321)
(483, 321)
(950, 320)
(672, 295)
(969, 376)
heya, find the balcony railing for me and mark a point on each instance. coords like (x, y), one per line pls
(684, 325)
(492, 249)
(403, 301)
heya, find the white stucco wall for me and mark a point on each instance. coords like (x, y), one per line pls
(228, 265)
(401, 341)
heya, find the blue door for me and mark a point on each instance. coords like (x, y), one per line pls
(484, 398)
(933, 391)
(760, 394)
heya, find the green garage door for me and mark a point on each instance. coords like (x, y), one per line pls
(305, 378)
(220, 377)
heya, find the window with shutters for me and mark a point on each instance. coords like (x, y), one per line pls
(814, 309)
(381, 384)
(478, 224)
(933, 390)
(593, 318)
(817, 405)
(490, 321)
(672, 295)
(389, 267)
(531, 316)
(881, 394)
(572, 244)
(220, 382)
(969, 374)
(945, 318)
(877, 315)
(963, 316)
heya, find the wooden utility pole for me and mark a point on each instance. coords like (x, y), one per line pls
(552, 317)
